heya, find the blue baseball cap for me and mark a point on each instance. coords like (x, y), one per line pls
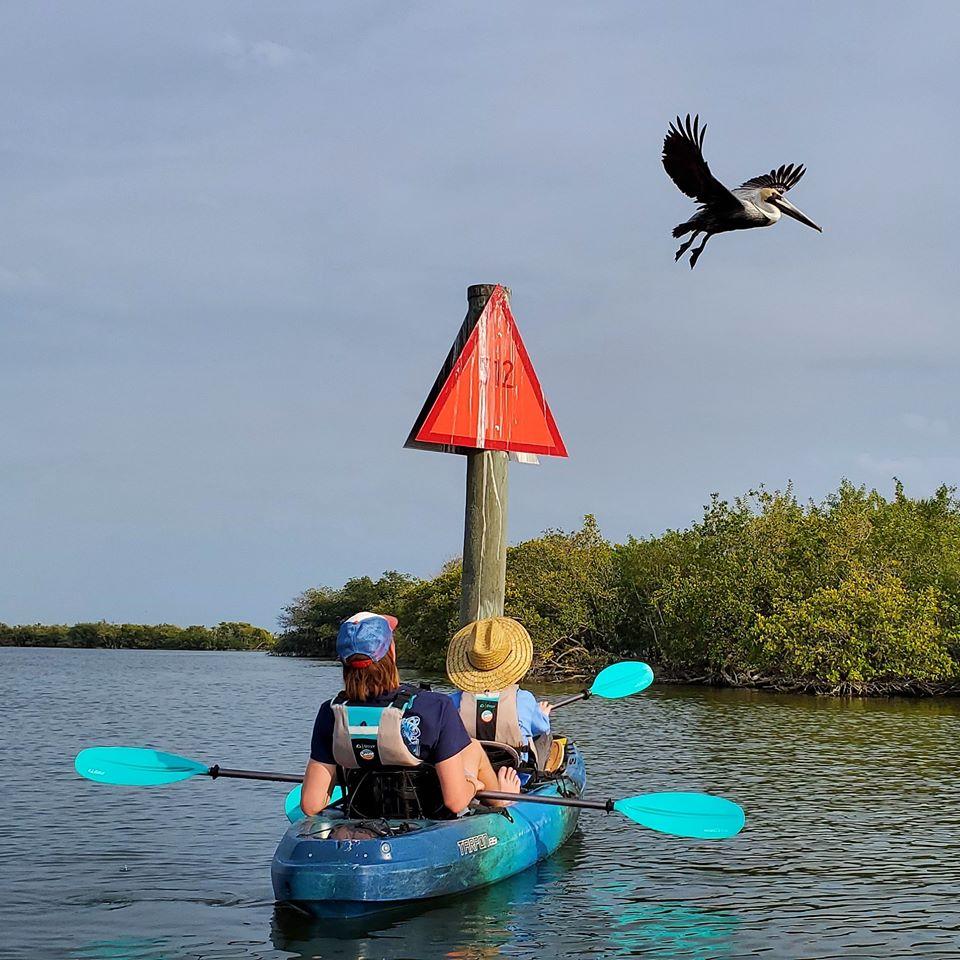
(366, 637)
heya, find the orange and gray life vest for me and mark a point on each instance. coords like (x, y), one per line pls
(493, 716)
(367, 737)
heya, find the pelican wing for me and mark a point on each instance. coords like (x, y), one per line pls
(684, 163)
(782, 178)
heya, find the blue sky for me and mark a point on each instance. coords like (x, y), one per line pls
(236, 239)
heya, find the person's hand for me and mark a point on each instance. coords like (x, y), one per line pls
(476, 782)
(545, 707)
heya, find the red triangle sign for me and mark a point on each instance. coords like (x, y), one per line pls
(487, 396)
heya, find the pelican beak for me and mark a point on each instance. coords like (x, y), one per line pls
(791, 211)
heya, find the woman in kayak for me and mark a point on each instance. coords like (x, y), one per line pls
(486, 660)
(377, 722)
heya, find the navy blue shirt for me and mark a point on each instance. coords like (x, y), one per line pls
(431, 728)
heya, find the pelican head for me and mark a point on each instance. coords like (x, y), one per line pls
(775, 197)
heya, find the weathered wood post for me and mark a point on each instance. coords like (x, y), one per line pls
(487, 404)
(485, 518)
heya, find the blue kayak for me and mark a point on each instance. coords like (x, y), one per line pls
(319, 871)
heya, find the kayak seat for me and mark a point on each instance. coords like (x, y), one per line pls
(400, 793)
(547, 754)
(501, 754)
(557, 756)
(541, 750)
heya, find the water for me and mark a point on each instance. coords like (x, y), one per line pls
(852, 844)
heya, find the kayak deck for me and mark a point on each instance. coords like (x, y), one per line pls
(321, 867)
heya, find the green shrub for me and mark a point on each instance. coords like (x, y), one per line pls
(866, 629)
(563, 588)
(310, 622)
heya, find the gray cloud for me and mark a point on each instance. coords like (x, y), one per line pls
(257, 53)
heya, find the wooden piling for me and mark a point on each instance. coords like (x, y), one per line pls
(485, 517)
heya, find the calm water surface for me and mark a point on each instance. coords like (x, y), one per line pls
(852, 844)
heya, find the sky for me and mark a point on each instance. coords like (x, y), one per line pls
(236, 239)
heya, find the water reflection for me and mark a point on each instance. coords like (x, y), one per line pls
(544, 911)
(669, 930)
(474, 926)
(124, 948)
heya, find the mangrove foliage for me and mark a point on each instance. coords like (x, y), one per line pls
(163, 636)
(854, 594)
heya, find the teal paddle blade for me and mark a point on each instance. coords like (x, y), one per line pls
(291, 806)
(697, 815)
(135, 766)
(622, 679)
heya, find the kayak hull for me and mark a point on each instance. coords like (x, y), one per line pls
(350, 877)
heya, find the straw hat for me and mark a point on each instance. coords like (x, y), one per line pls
(489, 654)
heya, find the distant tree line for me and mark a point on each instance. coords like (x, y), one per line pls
(854, 594)
(163, 636)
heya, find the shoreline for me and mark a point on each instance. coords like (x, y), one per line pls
(915, 689)
(751, 680)
(69, 646)
(885, 689)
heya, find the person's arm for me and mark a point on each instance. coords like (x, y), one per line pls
(453, 755)
(321, 772)
(536, 715)
(318, 780)
(458, 787)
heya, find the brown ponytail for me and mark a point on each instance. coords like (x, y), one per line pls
(372, 680)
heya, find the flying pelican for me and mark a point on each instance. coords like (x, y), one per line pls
(757, 203)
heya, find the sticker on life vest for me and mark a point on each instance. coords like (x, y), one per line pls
(410, 732)
(486, 716)
(475, 844)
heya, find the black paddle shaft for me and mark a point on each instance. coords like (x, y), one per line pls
(605, 805)
(217, 771)
(582, 695)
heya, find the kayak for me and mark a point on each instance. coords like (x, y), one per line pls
(321, 865)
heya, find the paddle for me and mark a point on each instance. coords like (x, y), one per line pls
(618, 680)
(138, 767)
(698, 815)
(682, 814)
(291, 805)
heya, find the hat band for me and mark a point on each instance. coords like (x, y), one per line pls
(487, 659)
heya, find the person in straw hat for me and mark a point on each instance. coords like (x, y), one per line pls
(486, 660)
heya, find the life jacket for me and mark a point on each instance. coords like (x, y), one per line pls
(381, 777)
(366, 737)
(493, 716)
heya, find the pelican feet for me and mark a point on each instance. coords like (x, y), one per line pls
(695, 256)
(684, 247)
